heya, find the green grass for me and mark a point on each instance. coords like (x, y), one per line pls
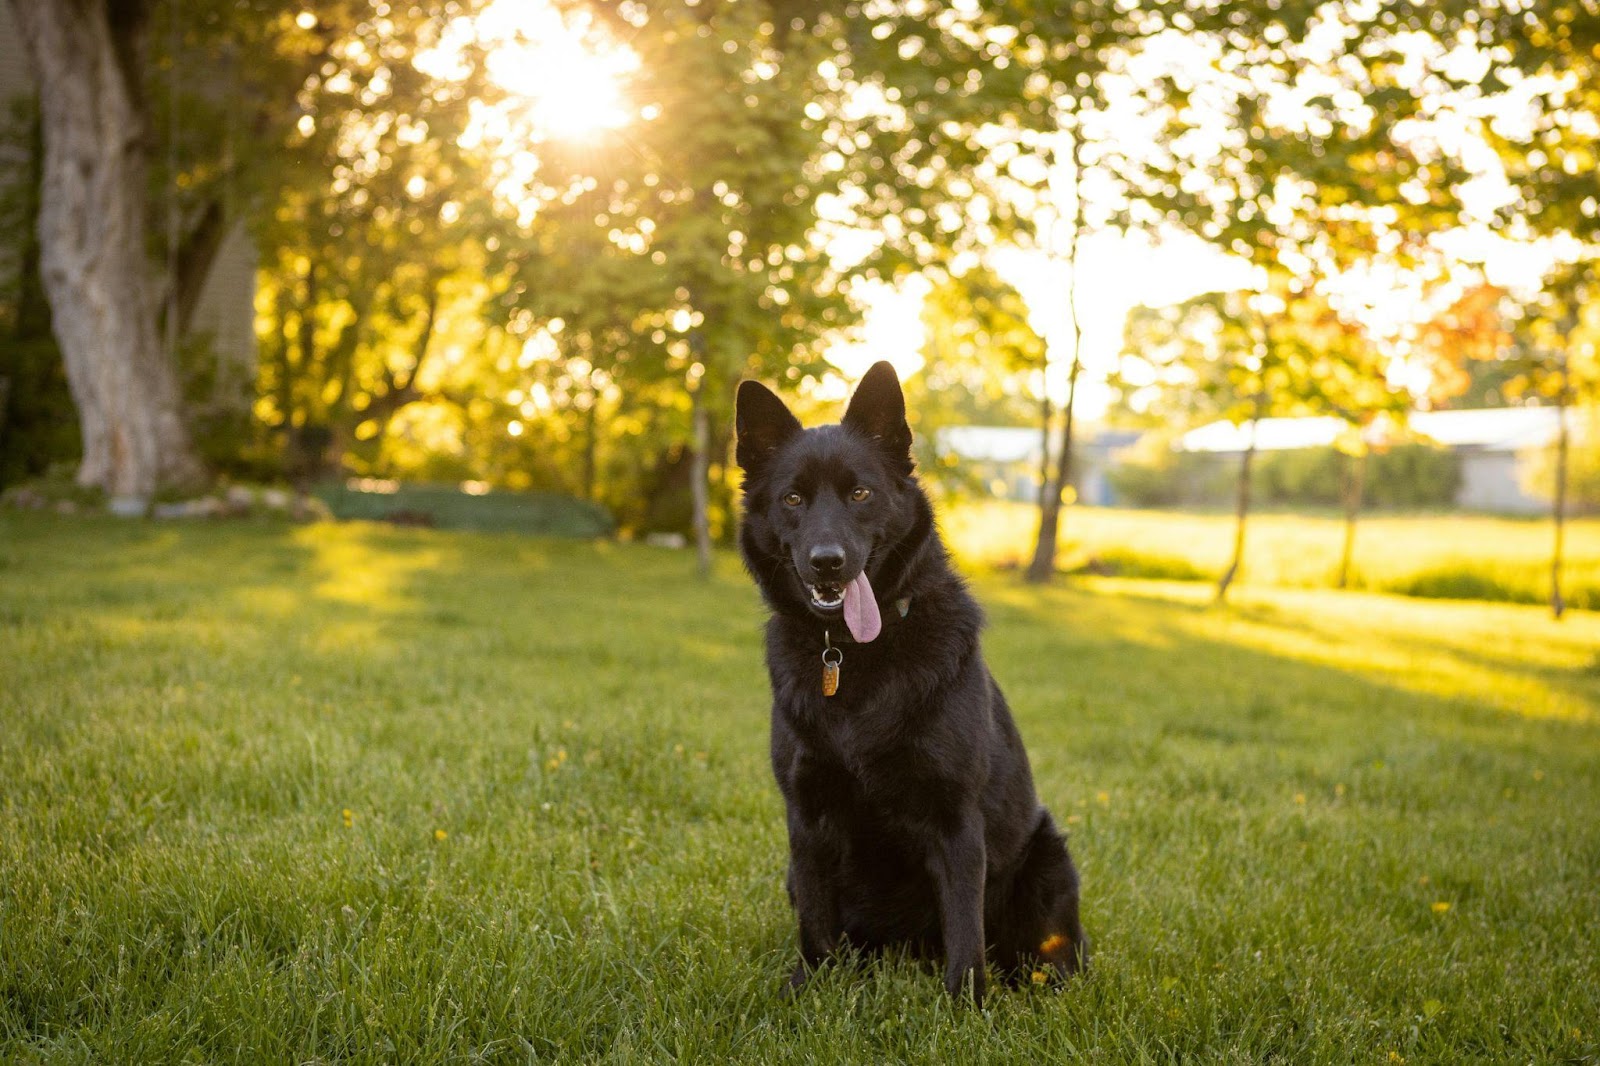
(1451, 556)
(564, 844)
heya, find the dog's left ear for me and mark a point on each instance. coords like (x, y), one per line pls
(878, 409)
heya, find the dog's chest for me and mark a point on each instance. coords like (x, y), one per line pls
(859, 756)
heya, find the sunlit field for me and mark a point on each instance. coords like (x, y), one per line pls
(1452, 556)
(346, 792)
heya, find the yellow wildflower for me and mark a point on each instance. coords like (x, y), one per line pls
(349, 818)
(1300, 798)
(439, 834)
(1039, 977)
(1440, 906)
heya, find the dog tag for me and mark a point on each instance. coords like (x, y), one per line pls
(831, 658)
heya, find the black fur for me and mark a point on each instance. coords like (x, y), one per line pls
(911, 810)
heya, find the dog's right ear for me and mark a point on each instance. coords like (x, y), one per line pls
(763, 424)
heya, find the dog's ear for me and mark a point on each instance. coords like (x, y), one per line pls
(878, 409)
(763, 424)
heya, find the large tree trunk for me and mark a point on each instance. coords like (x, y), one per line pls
(87, 59)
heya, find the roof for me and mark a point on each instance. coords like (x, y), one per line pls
(1495, 429)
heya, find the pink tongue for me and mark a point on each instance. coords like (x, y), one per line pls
(861, 609)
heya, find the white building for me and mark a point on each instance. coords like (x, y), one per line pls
(1008, 458)
(1495, 446)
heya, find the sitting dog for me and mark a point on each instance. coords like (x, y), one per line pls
(911, 810)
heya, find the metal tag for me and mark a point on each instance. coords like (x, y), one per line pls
(830, 670)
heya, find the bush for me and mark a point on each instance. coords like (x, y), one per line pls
(1153, 474)
(1410, 476)
(447, 507)
(1465, 582)
(1413, 476)
(1121, 562)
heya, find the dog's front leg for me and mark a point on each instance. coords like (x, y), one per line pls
(812, 859)
(957, 860)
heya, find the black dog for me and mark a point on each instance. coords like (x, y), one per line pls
(911, 810)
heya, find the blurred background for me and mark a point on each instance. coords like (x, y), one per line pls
(1146, 269)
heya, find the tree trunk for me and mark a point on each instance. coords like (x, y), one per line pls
(1355, 488)
(699, 463)
(591, 443)
(1043, 567)
(1242, 506)
(87, 61)
(1558, 507)
(1044, 448)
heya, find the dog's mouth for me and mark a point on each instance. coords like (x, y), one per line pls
(827, 596)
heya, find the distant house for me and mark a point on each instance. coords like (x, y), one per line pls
(1494, 446)
(1007, 458)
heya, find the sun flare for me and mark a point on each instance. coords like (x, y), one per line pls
(571, 83)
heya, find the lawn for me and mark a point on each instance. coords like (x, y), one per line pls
(352, 793)
(1454, 556)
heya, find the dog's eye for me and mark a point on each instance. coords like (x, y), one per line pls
(793, 499)
(859, 493)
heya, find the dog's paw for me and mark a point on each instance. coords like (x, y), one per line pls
(965, 981)
(796, 981)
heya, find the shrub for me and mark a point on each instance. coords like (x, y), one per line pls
(447, 507)
(1153, 474)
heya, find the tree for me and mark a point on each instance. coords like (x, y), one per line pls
(981, 355)
(88, 59)
(1545, 61)
(378, 242)
(1216, 354)
(1243, 357)
(1558, 363)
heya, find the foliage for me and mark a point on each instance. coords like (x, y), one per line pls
(981, 357)
(377, 250)
(1468, 335)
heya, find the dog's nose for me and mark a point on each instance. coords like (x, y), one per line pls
(827, 560)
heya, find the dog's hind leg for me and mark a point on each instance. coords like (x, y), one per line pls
(1039, 920)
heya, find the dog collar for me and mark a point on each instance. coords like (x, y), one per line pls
(833, 656)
